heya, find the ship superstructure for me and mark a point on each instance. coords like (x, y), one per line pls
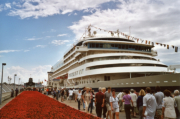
(109, 61)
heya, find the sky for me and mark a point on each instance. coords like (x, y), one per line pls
(35, 34)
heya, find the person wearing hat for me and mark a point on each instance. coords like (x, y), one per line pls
(99, 102)
(134, 105)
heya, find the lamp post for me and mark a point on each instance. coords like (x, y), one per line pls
(10, 80)
(3, 64)
(14, 81)
(19, 80)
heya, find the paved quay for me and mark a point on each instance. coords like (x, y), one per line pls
(74, 104)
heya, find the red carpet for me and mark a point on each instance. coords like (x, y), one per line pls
(34, 105)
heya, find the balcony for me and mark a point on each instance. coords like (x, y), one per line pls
(81, 48)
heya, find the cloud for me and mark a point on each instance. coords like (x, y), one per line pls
(40, 46)
(1, 8)
(7, 51)
(69, 45)
(44, 8)
(33, 38)
(157, 21)
(59, 42)
(37, 72)
(8, 5)
(62, 35)
(75, 13)
(53, 30)
(26, 50)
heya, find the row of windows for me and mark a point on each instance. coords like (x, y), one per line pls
(76, 73)
(147, 82)
(119, 46)
(125, 65)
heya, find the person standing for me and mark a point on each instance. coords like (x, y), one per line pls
(177, 100)
(12, 93)
(99, 102)
(57, 95)
(87, 98)
(114, 105)
(62, 95)
(104, 103)
(134, 105)
(54, 93)
(127, 103)
(91, 103)
(120, 96)
(78, 98)
(168, 106)
(70, 94)
(47, 91)
(149, 105)
(159, 97)
(16, 91)
(84, 89)
(140, 103)
(107, 95)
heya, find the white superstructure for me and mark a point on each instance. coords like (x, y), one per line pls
(96, 60)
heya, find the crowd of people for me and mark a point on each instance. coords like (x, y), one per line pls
(16, 91)
(148, 104)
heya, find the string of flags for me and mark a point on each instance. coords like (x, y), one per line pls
(137, 39)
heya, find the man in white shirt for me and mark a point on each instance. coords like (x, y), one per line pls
(120, 96)
(134, 106)
(70, 94)
(149, 105)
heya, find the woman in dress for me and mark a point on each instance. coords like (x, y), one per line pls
(127, 103)
(78, 98)
(114, 105)
(168, 106)
(87, 98)
(140, 103)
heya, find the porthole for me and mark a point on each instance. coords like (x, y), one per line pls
(137, 82)
(165, 81)
(173, 80)
(157, 81)
(132, 83)
(150, 82)
(143, 82)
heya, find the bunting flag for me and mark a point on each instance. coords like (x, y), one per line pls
(176, 49)
(142, 41)
(133, 38)
(137, 40)
(146, 41)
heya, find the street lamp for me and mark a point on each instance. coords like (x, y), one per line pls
(3, 64)
(19, 80)
(14, 81)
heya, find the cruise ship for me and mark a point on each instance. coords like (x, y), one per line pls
(115, 62)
